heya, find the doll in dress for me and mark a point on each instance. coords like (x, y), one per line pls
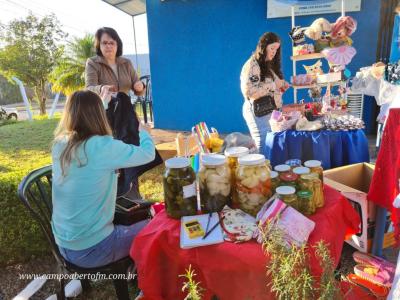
(342, 30)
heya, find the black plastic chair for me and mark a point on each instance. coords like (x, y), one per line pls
(146, 100)
(35, 192)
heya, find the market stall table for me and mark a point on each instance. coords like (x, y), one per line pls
(230, 271)
(333, 148)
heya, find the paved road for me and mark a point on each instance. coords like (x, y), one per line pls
(22, 113)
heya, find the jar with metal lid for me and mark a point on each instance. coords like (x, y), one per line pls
(306, 203)
(300, 171)
(288, 195)
(214, 182)
(315, 167)
(274, 180)
(312, 183)
(293, 163)
(281, 169)
(233, 154)
(179, 182)
(253, 183)
(288, 179)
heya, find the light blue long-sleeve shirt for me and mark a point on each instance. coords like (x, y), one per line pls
(84, 200)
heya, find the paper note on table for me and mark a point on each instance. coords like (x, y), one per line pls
(215, 237)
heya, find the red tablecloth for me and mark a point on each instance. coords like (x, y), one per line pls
(230, 271)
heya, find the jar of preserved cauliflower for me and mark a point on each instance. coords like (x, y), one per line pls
(214, 182)
(253, 183)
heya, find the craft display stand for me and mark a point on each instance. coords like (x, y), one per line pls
(310, 56)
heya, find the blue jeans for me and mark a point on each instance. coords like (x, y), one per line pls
(258, 126)
(112, 248)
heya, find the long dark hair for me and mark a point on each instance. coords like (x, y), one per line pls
(261, 54)
(83, 117)
(113, 34)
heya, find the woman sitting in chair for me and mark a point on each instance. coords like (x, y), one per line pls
(85, 159)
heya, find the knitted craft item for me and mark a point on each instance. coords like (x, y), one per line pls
(340, 55)
(297, 35)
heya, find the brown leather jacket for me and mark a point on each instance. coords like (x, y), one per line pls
(99, 73)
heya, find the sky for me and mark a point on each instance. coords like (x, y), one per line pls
(79, 17)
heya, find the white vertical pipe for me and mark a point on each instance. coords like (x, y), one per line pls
(342, 8)
(24, 97)
(293, 61)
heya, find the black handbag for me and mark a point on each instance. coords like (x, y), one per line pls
(141, 211)
(264, 105)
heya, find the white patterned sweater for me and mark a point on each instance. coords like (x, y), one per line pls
(251, 85)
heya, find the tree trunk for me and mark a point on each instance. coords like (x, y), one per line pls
(41, 99)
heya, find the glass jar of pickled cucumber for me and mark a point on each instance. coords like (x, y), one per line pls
(315, 167)
(233, 154)
(301, 171)
(288, 195)
(293, 163)
(281, 169)
(214, 182)
(253, 183)
(274, 180)
(306, 204)
(312, 183)
(179, 182)
(288, 179)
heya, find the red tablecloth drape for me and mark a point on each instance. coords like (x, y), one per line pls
(230, 271)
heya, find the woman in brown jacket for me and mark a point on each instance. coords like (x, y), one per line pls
(108, 71)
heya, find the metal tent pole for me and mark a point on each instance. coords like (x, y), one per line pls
(342, 8)
(293, 61)
(134, 38)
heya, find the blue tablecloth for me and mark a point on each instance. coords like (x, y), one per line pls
(333, 148)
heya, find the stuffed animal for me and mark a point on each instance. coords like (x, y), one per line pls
(303, 49)
(322, 43)
(314, 69)
(316, 29)
(297, 35)
(342, 30)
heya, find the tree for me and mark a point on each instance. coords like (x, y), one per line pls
(69, 74)
(30, 49)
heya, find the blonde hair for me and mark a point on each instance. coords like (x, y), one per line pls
(83, 117)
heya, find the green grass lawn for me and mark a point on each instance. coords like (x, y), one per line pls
(24, 147)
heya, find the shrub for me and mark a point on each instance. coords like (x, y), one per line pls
(24, 147)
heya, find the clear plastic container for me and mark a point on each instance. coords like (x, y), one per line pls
(315, 167)
(214, 183)
(179, 182)
(288, 195)
(253, 183)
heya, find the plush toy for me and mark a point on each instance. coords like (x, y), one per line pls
(322, 43)
(303, 49)
(316, 29)
(342, 30)
(314, 69)
(297, 35)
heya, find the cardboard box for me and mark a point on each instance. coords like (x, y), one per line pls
(353, 182)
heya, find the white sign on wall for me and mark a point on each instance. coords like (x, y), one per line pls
(276, 9)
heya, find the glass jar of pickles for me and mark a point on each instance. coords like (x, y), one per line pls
(306, 204)
(288, 179)
(179, 182)
(214, 182)
(281, 169)
(274, 180)
(288, 195)
(253, 183)
(233, 154)
(301, 171)
(293, 163)
(312, 183)
(315, 167)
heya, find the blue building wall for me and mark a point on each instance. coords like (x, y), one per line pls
(198, 47)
